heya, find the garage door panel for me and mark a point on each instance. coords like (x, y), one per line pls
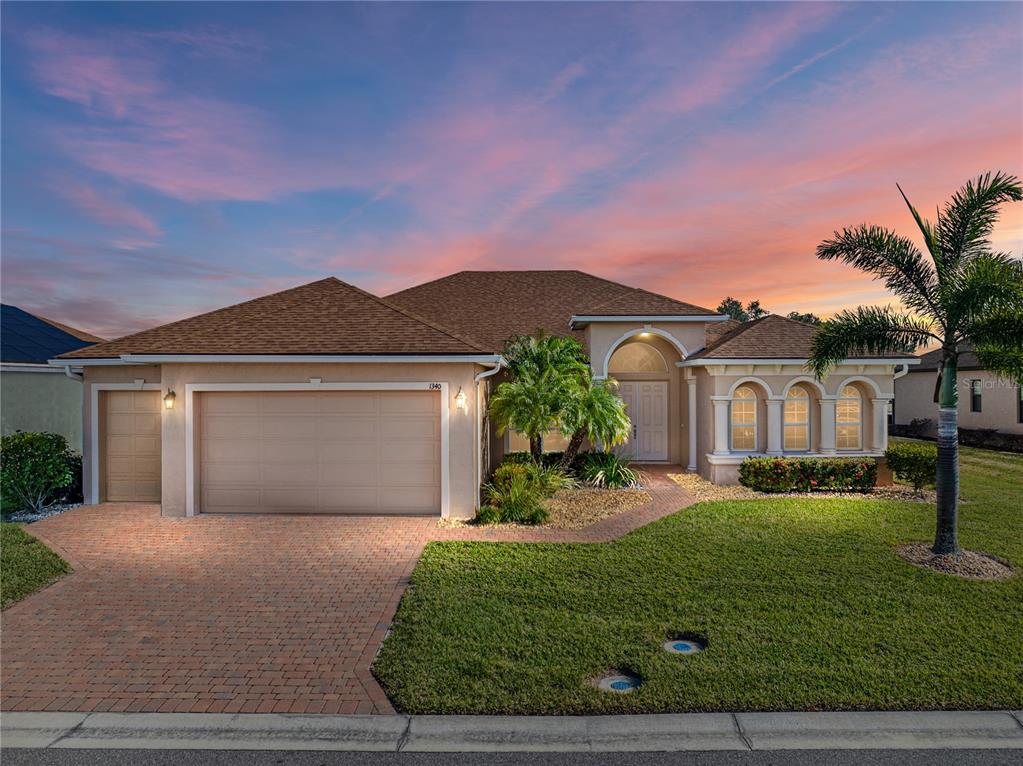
(349, 474)
(231, 450)
(320, 452)
(231, 426)
(357, 428)
(131, 446)
(351, 403)
(399, 451)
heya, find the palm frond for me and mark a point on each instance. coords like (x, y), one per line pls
(987, 284)
(997, 339)
(869, 329)
(1003, 361)
(927, 229)
(889, 257)
(969, 217)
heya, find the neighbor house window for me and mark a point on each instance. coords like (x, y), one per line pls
(848, 419)
(975, 402)
(797, 420)
(744, 420)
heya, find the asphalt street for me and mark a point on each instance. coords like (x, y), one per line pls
(68, 757)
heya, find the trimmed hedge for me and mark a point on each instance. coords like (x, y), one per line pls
(915, 462)
(36, 469)
(808, 474)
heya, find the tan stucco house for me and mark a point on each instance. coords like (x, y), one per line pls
(325, 398)
(986, 401)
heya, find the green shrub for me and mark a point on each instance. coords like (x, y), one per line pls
(913, 462)
(549, 458)
(488, 514)
(517, 498)
(605, 469)
(808, 474)
(34, 468)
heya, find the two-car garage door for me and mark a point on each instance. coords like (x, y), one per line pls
(319, 452)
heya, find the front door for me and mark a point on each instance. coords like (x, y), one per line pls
(647, 406)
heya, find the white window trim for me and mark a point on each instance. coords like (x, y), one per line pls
(138, 385)
(839, 398)
(193, 388)
(756, 424)
(808, 423)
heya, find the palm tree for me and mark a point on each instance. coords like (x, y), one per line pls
(596, 413)
(551, 388)
(965, 293)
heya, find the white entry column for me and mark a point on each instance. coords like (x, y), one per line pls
(774, 413)
(692, 424)
(720, 424)
(827, 426)
(880, 441)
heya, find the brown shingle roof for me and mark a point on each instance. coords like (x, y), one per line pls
(770, 337)
(494, 306)
(324, 317)
(967, 359)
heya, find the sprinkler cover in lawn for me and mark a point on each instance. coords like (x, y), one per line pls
(619, 683)
(684, 646)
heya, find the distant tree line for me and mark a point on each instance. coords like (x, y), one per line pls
(753, 310)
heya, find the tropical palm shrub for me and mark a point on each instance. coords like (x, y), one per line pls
(605, 469)
(517, 499)
(596, 413)
(962, 292)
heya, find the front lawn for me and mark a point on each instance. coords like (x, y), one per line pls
(26, 565)
(803, 602)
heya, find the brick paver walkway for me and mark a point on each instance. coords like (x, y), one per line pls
(231, 614)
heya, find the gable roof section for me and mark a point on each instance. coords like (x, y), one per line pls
(29, 339)
(494, 306)
(324, 317)
(770, 337)
(967, 359)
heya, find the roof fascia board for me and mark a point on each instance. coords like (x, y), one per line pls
(308, 358)
(707, 362)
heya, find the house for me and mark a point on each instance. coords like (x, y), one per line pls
(325, 398)
(986, 401)
(34, 395)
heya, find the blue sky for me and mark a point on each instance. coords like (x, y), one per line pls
(164, 159)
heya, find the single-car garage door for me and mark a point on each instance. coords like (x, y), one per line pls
(131, 443)
(320, 452)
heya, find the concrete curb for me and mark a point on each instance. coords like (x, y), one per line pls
(652, 733)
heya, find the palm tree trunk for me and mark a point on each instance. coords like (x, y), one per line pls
(536, 448)
(946, 538)
(573, 448)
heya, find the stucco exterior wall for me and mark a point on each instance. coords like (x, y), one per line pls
(47, 401)
(914, 400)
(462, 445)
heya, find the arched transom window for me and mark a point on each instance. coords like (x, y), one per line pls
(636, 357)
(744, 420)
(797, 420)
(849, 419)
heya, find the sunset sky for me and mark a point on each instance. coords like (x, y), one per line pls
(164, 159)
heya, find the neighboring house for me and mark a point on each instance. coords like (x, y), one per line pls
(325, 398)
(36, 396)
(986, 401)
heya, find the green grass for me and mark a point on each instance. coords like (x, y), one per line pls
(803, 602)
(26, 565)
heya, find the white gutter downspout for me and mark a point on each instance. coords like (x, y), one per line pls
(479, 426)
(74, 376)
(903, 371)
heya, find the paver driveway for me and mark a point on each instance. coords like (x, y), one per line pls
(233, 613)
(213, 613)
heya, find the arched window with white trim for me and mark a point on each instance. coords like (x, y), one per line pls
(797, 420)
(849, 419)
(744, 420)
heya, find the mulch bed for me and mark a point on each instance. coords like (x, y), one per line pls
(575, 508)
(973, 565)
(701, 489)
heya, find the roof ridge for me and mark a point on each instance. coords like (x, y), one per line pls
(734, 332)
(413, 316)
(229, 323)
(643, 290)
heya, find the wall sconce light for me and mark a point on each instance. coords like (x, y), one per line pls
(168, 400)
(460, 399)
